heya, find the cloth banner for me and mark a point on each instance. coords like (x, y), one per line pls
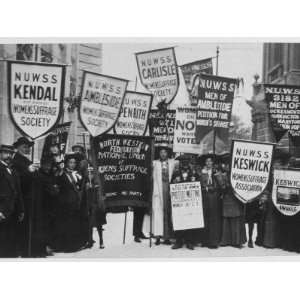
(187, 208)
(250, 168)
(185, 131)
(159, 74)
(101, 101)
(35, 95)
(57, 137)
(162, 127)
(124, 165)
(134, 114)
(284, 109)
(215, 100)
(286, 191)
(190, 70)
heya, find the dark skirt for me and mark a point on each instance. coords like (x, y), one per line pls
(234, 232)
(253, 212)
(212, 207)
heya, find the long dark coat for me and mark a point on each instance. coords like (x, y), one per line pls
(71, 220)
(11, 206)
(20, 164)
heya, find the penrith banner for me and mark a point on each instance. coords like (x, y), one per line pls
(286, 191)
(35, 95)
(124, 164)
(185, 131)
(284, 109)
(214, 106)
(191, 69)
(101, 101)
(134, 114)
(187, 208)
(250, 168)
(58, 137)
(161, 127)
(159, 74)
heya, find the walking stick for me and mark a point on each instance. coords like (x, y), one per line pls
(125, 224)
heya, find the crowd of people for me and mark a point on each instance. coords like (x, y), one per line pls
(54, 206)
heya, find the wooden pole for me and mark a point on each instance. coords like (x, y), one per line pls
(30, 212)
(125, 225)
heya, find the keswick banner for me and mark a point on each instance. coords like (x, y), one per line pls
(189, 70)
(187, 208)
(250, 168)
(35, 94)
(161, 127)
(134, 114)
(185, 131)
(58, 137)
(284, 109)
(101, 101)
(214, 106)
(124, 164)
(286, 191)
(158, 74)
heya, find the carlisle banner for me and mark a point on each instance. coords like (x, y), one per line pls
(57, 138)
(162, 126)
(286, 191)
(101, 101)
(214, 106)
(187, 209)
(35, 94)
(189, 70)
(284, 109)
(185, 131)
(250, 168)
(124, 164)
(134, 114)
(158, 74)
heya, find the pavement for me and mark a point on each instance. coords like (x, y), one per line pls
(116, 250)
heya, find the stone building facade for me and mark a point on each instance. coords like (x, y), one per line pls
(281, 65)
(77, 57)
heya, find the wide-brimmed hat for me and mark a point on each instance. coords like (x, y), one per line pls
(23, 141)
(78, 146)
(162, 147)
(281, 155)
(204, 157)
(6, 148)
(70, 155)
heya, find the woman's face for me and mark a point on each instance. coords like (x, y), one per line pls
(71, 164)
(209, 163)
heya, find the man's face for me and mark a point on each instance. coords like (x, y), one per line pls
(6, 156)
(24, 149)
(163, 154)
(71, 164)
(78, 150)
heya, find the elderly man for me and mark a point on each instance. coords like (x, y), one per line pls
(11, 203)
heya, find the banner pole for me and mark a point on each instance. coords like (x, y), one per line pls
(151, 192)
(124, 231)
(30, 212)
(217, 73)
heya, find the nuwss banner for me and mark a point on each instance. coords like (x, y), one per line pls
(35, 94)
(158, 74)
(125, 166)
(284, 109)
(250, 168)
(286, 191)
(134, 114)
(214, 105)
(101, 101)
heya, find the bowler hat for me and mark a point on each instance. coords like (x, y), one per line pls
(23, 141)
(70, 155)
(6, 148)
(78, 146)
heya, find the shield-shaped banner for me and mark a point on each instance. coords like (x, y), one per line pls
(250, 168)
(101, 101)
(159, 74)
(134, 114)
(286, 191)
(35, 94)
